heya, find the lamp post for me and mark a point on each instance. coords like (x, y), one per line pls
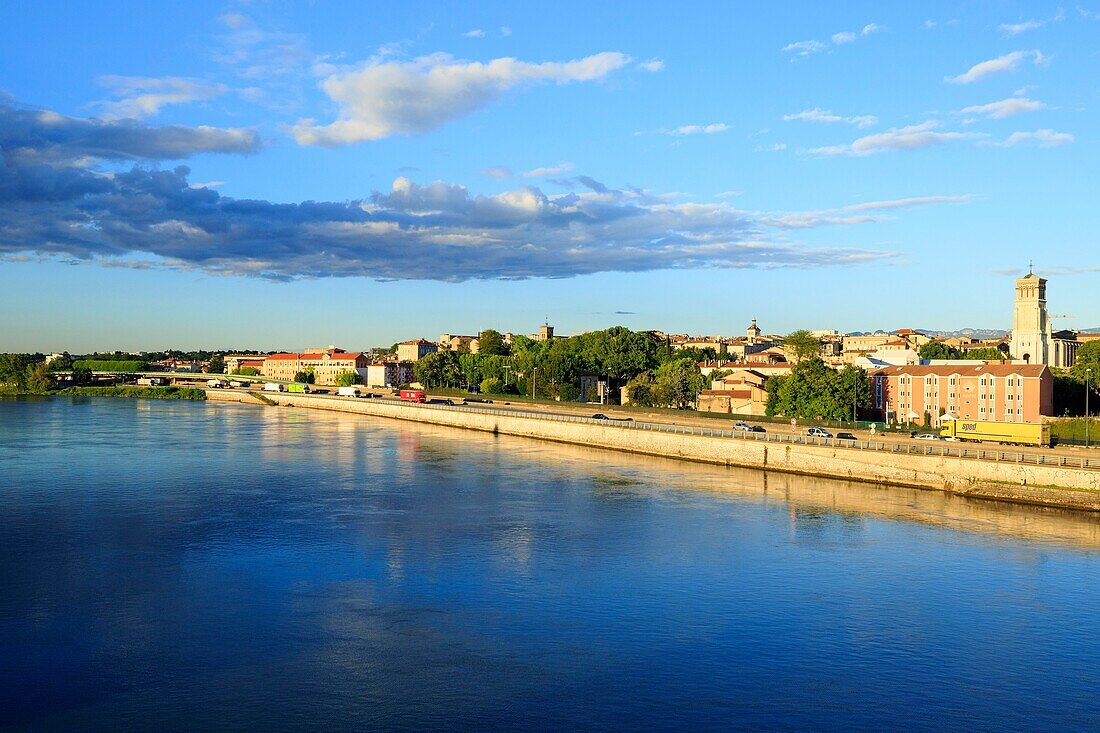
(1088, 377)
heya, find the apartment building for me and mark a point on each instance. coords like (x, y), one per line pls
(388, 374)
(1002, 392)
(415, 350)
(326, 365)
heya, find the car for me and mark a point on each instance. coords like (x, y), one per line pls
(600, 416)
(928, 436)
(756, 429)
(846, 436)
(742, 426)
(816, 432)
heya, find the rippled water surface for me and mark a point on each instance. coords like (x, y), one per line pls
(192, 566)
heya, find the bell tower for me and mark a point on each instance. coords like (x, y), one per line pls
(1030, 322)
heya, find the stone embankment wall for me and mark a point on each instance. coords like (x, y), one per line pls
(1039, 484)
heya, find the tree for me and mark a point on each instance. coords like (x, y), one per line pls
(679, 382)
(14, 369)
(855, 390)
(802, 344)
(642, 390)
(1088, 357)
(937, 350)
(438, 369)
(305, 376)
(39, 379)
(813, 390)
(62, 363)
(248, 371)
(348, 378)
(216, 364)
(491, 343)
(82, 375)
(987, 353)
(492, 385)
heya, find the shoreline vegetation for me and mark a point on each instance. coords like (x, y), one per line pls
(152, 393)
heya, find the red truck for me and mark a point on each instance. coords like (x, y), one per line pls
(413, 395)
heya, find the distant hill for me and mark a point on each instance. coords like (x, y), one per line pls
(974, 333)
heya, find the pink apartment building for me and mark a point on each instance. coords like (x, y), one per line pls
(1002, 392)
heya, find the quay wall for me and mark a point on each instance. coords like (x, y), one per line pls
(1050, 485)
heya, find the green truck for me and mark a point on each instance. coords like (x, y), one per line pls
(298, 387)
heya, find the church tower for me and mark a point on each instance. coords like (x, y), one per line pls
(1031, 337)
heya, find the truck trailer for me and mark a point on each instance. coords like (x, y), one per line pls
(1015, 433)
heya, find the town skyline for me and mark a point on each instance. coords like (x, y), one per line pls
(236, 174)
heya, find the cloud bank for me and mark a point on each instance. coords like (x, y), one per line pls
(387, 98)
(54, 203)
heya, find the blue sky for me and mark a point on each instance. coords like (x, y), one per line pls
(282, 175)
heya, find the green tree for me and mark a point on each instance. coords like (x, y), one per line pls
(802, 344)
(438, 369)
(1088, 357)
(216, 365)
(62, 363)
(248, 371)
(491, 343)
(348, 378)
(855, 390)
(813, 390)
(987, 353)
(14, 369)
(679, 382)
(642, 390)
(39, 379)
(492, 385)
(306, 376)
(937, 350)
(82, 375)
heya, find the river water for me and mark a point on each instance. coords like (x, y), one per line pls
(191, 566)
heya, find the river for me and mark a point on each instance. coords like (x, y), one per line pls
(180, 566)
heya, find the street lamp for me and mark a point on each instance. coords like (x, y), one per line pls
(1088, 376)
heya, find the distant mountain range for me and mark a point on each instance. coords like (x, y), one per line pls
(974, 333)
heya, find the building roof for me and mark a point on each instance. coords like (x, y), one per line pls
(745, 393)
(947, 370)
(282, 357)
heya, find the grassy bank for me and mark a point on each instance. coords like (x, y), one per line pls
(1072, 431)
(154, 393)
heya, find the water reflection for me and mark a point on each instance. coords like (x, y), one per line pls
(191, 566)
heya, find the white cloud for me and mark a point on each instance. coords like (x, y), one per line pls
(867, 212)
(774, 148)
(145, 96)
(475, 33)
(727, 194)
(505, 31)
(929, 25)
(498, 172)
(404, 98)
(552, 170)
(234, 20)
(911, 137)
(652, 65)
(1004, 108)
(710, 129)
(1008, 62)
(823, 115)
(840, 38)
(1045, 138)
(1015, 29)
(805, 48)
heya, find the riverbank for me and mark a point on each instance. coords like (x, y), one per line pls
(153, 393)
(1043, 484)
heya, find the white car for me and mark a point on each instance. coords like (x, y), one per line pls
(816, 432)
(928, 436)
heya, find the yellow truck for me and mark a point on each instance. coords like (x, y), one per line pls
(1016, 433)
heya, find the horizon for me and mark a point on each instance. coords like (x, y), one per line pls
(231, 173)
